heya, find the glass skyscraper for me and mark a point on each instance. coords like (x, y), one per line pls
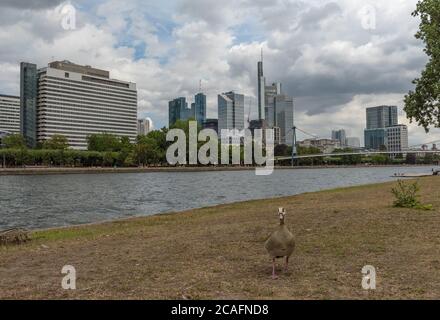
(340, 136)
(28, 103)
(230, 111)
(376, 139)
(178, 110)
(382, 117)
(200, 108)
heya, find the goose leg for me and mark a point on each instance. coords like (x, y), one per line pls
(274, 276)
(287, 264)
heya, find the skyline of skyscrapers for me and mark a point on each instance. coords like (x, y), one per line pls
(278, 108)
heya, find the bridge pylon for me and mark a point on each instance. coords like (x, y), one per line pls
(294, 150)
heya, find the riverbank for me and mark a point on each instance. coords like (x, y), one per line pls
(98, 170)
(218, 253)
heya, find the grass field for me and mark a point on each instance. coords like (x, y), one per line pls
(218, 252)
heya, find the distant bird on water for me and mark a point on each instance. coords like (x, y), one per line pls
(281, 243)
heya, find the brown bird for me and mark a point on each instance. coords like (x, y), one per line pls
(281, 243)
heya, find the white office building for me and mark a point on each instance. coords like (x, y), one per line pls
(10, 114)
(77, 101)
(143, 127)
(397, 138)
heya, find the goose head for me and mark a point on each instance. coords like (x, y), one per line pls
(282, 214)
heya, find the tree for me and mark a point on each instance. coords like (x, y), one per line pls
(423, 104)
(14, 141)
(147, 151)
(57, 142)
(104, 142)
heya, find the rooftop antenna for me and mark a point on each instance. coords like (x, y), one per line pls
(200, 85)
(261, 54)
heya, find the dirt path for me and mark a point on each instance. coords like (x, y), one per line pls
(218, 252)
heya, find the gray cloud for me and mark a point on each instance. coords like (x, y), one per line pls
(34, 4)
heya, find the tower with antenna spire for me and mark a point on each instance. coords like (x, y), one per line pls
(261, 89)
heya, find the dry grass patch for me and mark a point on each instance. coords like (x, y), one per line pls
(218, 252)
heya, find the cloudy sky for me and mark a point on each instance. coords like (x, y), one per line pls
(335, 57)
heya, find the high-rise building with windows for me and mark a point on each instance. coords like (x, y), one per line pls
(28, 103)
(284, 118)
(10, 114)
(261, 89)
(230, 111)
(376, 139)
(178, 110)
(143, 127)
(270, 93)
(75, 101)
(397, 138)
(200, 108)
(381, 117)
(383, 131)
(341, 136)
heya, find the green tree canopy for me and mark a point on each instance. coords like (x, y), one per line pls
(57, 142)
(423, 104)
(105, 142)
(14, 141)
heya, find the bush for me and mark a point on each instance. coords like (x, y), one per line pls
(407, 196)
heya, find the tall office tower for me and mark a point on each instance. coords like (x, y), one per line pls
(261, 89)
(143, 127)
(381, 117)
(10, 114)
(28, 103)
(76, 101)
(340, 136)
(270, 113)
(284, 118)
(200, 108)
(230, 111)
(178, 110)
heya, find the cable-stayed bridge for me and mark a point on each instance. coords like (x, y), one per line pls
(355, 151)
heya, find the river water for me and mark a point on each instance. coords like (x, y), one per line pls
(45, 201)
